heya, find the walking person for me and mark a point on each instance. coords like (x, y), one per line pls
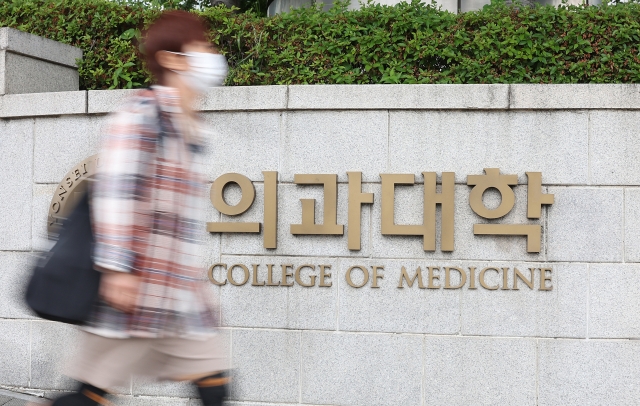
(154, 318)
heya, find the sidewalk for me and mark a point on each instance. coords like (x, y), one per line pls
(9, 398)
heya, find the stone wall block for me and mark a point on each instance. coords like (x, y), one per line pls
(24, 74)
(14, 352)
(560, 312)
(53, 346)
(278, 306)
(361, 369)
(39, 47)
(614, 309)
(42, 196)
(594, 372)
(466, 142)
(290, 212)
(153, 401)
(266, 365)
(33, 64)
(107, 101)
(613, 149)
(228, 98)
(632, 224)
(586, 225)
(575, 96)
(16, 149)
(43, 104)
(243, 142)
(488, 371)
(61, 143)
(15, 270)
(363, 97)
(334, 142)
(390, 309)
(409, 211)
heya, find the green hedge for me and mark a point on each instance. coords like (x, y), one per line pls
(406, 43)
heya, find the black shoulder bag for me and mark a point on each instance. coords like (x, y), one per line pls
(64, 285)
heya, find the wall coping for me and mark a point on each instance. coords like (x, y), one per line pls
(23, 43)
(348, 97)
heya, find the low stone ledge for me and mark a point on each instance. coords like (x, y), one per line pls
(577, 96)
(347, 97)
(107, 101)
(43, 104)
(422, 97)
(39, 47)
(229, 98)
(244, 98)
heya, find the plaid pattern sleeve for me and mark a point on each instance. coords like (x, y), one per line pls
(148, 214)
(121, 187)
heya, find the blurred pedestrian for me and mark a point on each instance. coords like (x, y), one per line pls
(154, 317)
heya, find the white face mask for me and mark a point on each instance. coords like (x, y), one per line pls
(205, 70)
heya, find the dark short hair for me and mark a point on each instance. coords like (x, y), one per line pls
(170, 32)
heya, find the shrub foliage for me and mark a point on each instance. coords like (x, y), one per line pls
(407, 43)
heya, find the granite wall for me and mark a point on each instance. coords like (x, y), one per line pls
(573, 345)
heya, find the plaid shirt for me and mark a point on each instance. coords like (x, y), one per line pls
(148, 213)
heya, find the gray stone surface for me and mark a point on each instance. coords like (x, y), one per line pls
(43, 104)
(290, 212)
(24, 74)
(409, 210)
(389, 309)
(561, 312)
(143, 387)
(614, 311)
(15, 270)
(231, 403)
(613, 147)
(243, 142)
(586, 225)
(362, 97)
(42, 195)
(244, 98)
(61, 143)
(33, 64)
(632, 224)
(150, 401)
(53, 346)
(107, 101)
(576, 96)
(466, 142)
(362, 369)
(292, 307)
(479, 371)
(593, 372)
(334, 142)
(39, 47)
(267, 365)
(14, 352)
(16, 149)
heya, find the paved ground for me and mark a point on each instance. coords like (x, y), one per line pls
(8, 398)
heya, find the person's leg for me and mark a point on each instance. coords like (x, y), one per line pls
(102, 364)
(213, 389)
(203, 362)
(86, 395)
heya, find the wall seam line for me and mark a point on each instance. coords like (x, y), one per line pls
(30, 348)
(624, 225)
(537, 371)
(589, 181)
(588, 299)
(300, 374)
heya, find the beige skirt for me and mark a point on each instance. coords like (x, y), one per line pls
(110, 362)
